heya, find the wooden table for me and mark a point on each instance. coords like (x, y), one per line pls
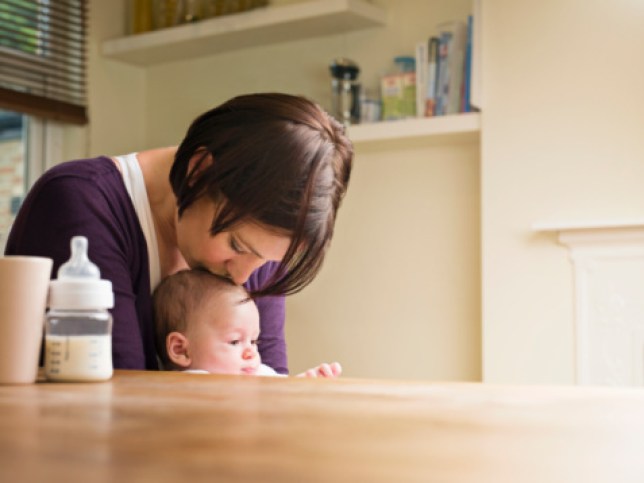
(167, 427)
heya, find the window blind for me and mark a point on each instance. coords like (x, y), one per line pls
(42, 58)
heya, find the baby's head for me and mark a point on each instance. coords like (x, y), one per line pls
(206, 322)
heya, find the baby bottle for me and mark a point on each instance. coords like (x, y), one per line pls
(78, 327)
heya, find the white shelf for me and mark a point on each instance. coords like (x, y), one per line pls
(570, 226)
(247, 29)
(463, 127)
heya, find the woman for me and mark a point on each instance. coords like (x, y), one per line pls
(250, 194)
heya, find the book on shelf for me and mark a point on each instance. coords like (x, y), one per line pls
(444, 70)
(442, 73)
(422, 71)
(426, 59)
(466, 105)
(451, 66)
(432, 71)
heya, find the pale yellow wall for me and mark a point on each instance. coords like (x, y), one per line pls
(562, 139)
(399, 294)
(116, 91)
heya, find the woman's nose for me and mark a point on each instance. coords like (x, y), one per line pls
(241, 270)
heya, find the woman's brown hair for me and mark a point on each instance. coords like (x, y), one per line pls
(279, 160)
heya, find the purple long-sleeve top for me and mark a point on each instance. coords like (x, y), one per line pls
(88, 197)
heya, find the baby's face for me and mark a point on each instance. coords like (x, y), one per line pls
(223, 339)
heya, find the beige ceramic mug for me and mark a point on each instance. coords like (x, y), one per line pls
(24, 282)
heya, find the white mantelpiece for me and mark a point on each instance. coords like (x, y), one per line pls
(608, 261)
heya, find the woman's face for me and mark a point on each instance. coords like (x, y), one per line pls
(234, 254)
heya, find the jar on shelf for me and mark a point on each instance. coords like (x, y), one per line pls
(345, 90)
(169, 13)
(141, 16)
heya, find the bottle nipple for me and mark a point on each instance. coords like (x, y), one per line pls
(79, 265)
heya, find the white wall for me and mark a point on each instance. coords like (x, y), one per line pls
(562, 139)
(399, 294)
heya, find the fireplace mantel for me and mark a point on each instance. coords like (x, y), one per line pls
(608, 262)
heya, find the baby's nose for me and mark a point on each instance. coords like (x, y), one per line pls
(249, 352)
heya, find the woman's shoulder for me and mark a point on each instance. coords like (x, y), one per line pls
(261, 276)
(81, 179)
(82, 168)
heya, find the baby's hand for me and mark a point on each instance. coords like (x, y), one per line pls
(323, 370)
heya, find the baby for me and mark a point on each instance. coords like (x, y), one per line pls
(205, 323)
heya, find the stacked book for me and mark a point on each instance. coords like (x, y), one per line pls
(444, 70)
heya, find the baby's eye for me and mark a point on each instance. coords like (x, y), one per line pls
(234, 342)
(254, 342)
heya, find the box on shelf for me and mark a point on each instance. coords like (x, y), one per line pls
(398, 90)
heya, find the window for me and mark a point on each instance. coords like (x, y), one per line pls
(42, 58)
(13, 176)
(42, 82)
(28, 146)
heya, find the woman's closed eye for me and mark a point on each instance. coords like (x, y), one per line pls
(235, 246)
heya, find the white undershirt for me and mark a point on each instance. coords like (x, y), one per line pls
(262, 370)
(135, 185)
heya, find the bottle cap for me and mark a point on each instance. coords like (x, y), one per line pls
(405, 63)
(343, 68)
(79, 285)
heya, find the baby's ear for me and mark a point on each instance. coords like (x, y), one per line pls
(177, 346)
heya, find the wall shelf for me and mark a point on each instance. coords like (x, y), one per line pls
(571, 226)
(458, 127)
(247, 29)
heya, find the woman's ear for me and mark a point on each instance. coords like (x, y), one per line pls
(177, 346)
(200, 161)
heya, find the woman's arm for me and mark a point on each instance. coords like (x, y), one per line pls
(272, 312)
(272, 343)
(69, 201)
